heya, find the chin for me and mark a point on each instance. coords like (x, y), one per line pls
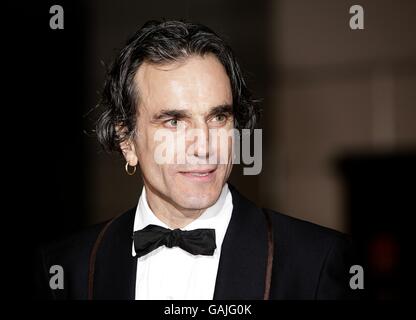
(198, 200)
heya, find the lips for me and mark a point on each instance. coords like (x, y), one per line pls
(199, 174)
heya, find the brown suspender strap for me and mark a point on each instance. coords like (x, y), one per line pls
(270, 254)
(93, 256)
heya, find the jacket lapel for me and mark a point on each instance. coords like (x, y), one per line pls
(242, 267)
(115, 267)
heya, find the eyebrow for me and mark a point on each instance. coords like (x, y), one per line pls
(181, 114)
(221, 109)
(173, 113)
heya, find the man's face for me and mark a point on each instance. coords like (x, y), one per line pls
(193, 95)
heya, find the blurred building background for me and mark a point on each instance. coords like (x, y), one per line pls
(339, 133)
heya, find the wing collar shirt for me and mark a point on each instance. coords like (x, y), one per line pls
(172, 273)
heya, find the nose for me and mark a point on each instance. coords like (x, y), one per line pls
(200, 142)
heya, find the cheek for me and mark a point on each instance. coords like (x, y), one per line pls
(144, 151)
(147, 143)
(223, 149)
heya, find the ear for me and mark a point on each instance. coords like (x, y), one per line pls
(129, 152)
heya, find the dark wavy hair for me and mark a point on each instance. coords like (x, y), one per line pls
(160, 43)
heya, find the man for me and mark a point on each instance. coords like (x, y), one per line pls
(192, 236)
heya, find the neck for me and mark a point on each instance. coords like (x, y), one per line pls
(169, 213)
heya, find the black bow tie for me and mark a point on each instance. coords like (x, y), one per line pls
(196, 242)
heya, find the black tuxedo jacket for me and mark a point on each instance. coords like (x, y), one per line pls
(309, 261)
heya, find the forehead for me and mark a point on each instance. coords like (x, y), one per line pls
(196, 83)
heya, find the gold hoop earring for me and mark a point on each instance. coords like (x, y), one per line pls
(130, 173)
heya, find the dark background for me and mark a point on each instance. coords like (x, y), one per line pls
(339, 133)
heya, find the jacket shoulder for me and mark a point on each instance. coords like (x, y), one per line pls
(81, 242)
(72, 253)
(305, 230)
(313, 261)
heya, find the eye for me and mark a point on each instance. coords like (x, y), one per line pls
(220, 117)
(172, 123)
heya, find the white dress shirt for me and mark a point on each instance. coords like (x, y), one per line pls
(172, 273)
